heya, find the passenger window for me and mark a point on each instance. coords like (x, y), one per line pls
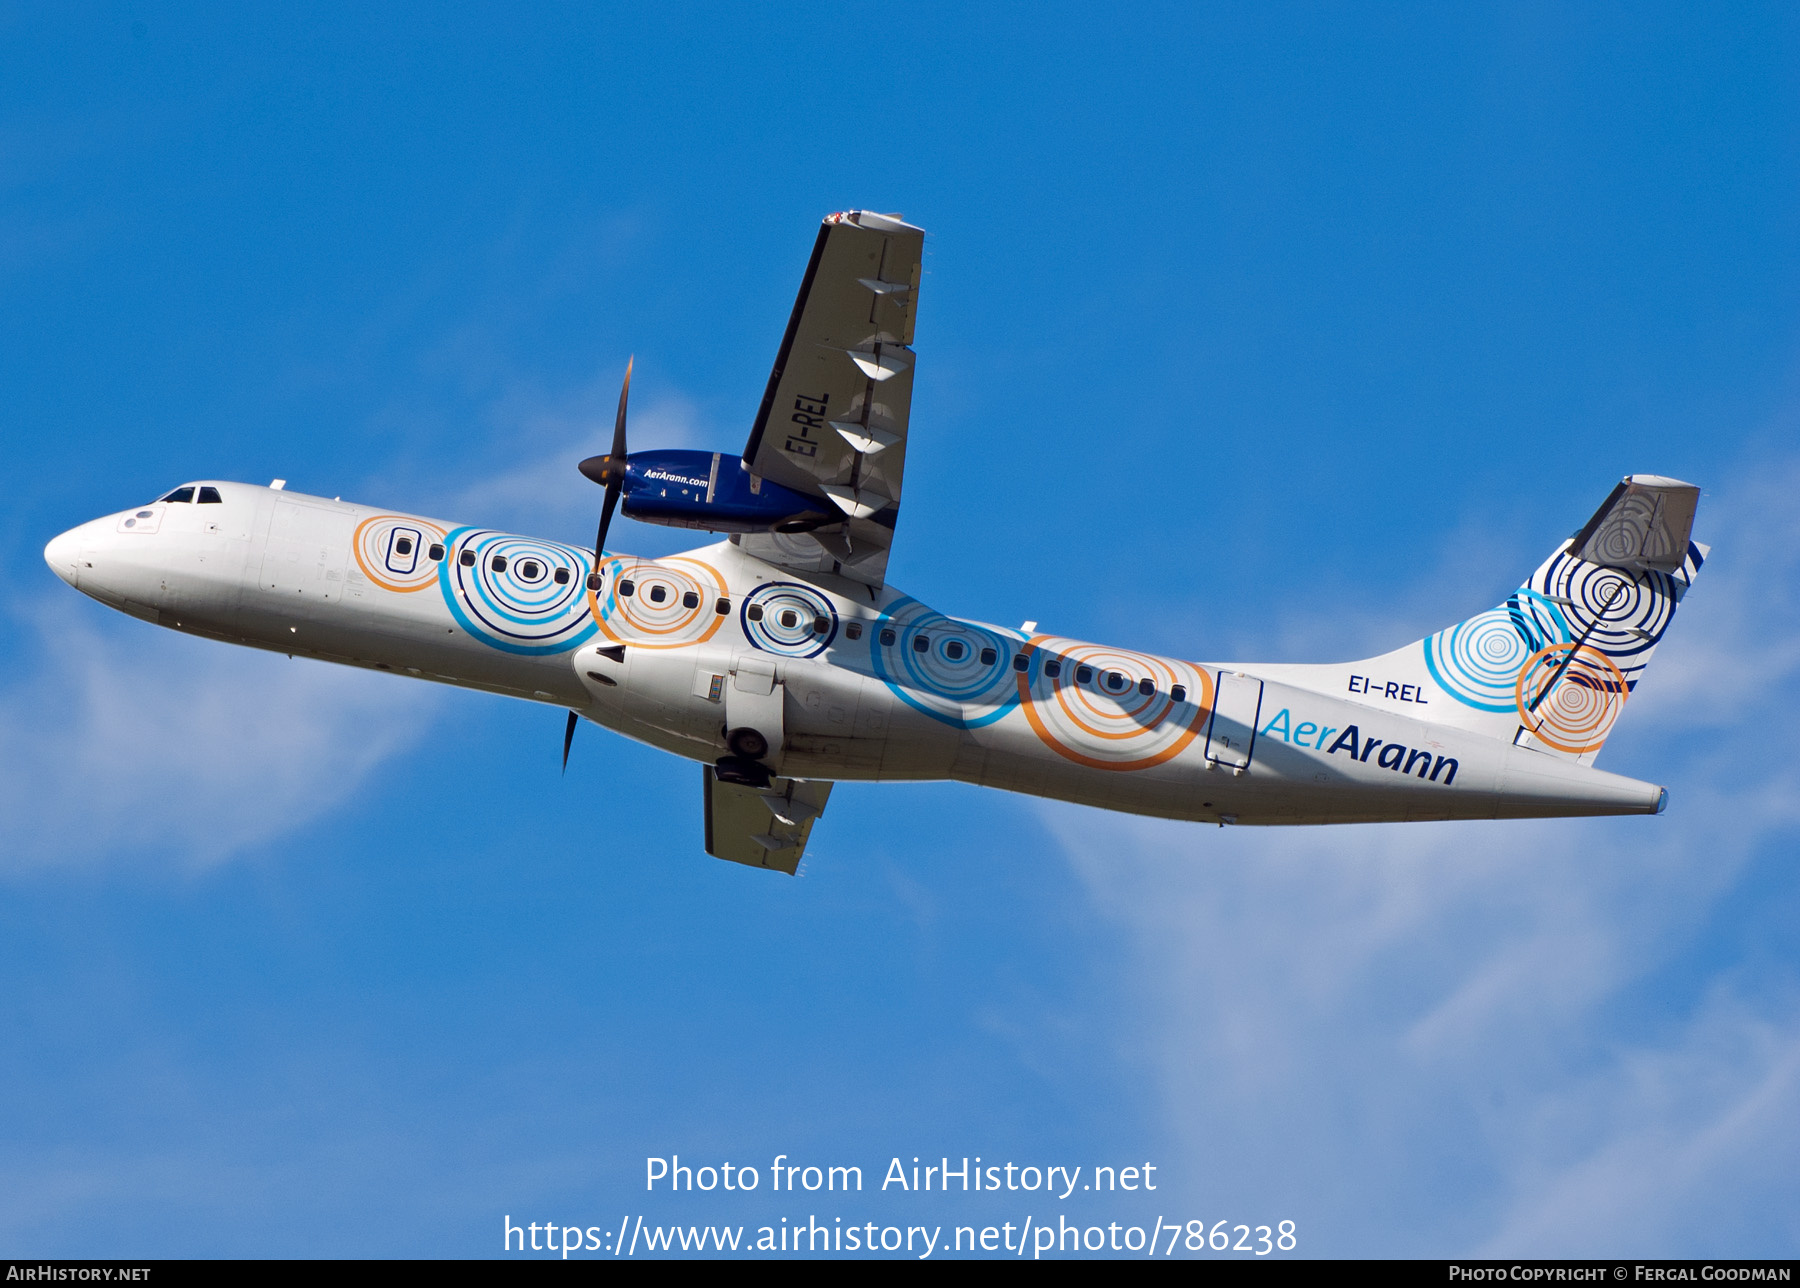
(466, 558)
(1115, 681)
(954, 650)
(627, 588)
(754, 612)
(1179, 693)
(887, 636)
(790, 619)
(498, 563)
(403, 546)
(531, 570)
(921, 643)
(1147, 688)
(689, 599)
(181, 494)
(657, 594)
(988, 656)
(1053, 668)
(723, 607)
(210, 496)
(853, 630)
(821, 625)
(435, 553)
(1084, 674)
(1021, 663)
(560, 576)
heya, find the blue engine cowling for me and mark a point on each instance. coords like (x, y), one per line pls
(714, 491)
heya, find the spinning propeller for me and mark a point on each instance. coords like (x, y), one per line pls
(609, 472)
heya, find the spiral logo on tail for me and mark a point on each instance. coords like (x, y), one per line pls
(1612, 611)
(788, 619)
(515, 594)
(1478, 661)
(672, 602)
(393, 551)
(952, 671)
(1095, 712)
(1570, 703)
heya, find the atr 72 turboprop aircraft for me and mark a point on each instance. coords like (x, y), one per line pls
(782, 661)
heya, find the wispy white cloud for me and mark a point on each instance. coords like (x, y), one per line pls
(1446, 1038)
(1693, 1150)
(122, 741)
(520, 474)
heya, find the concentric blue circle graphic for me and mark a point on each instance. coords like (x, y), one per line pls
(951, 670)
(516, 594)
(783, 617)
(1478, 661)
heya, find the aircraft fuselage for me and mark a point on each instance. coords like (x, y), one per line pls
(847, 683)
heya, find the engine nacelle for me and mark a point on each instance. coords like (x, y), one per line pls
(714, 491)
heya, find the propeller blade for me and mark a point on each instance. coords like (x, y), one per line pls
(568, 737)
(618, 450)
(606, 515)
(609, 470)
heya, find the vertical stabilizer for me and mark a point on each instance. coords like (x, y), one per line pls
(1553, 666)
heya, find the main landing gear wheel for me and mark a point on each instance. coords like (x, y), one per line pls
(747, 744)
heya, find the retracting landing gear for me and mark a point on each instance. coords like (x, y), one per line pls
(741, 771)
(747, 743)
(754, 725)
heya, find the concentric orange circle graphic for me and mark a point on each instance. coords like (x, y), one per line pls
(673, 602)
(1094, 709)
(1569, 695)
(393, 551)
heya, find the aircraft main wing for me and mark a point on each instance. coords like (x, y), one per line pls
(764, 827)
(833, 419)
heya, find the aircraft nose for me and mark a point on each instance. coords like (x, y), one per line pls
(63, 554)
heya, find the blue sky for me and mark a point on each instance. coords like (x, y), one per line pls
(1260, 332)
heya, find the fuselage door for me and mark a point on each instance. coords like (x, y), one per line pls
(1232, 734)
(307, 548)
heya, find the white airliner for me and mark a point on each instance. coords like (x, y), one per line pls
(782, 661)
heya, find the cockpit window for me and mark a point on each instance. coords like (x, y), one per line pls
(210, 496)
(184, 495)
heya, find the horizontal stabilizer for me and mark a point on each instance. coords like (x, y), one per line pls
(1645, 524)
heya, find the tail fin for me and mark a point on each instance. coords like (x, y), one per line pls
(1554, 665)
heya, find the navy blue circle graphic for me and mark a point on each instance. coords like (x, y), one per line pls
(783, 617)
